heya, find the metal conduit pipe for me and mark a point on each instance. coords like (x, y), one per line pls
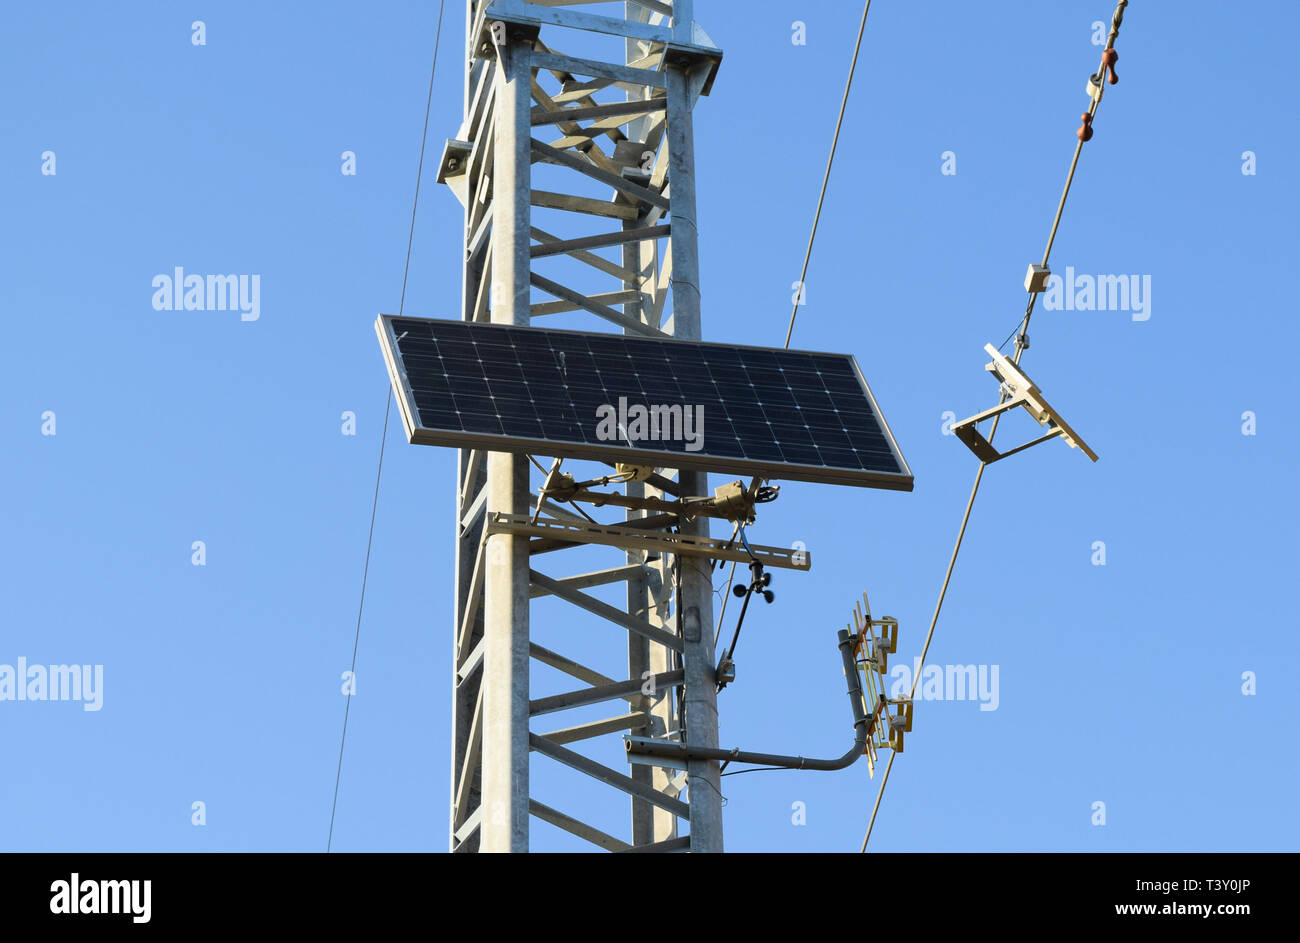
(649, 747)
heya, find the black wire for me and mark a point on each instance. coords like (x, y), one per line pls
(753, 588)
(731, 651)
(1019, 324)
(757, 769)
(678, 658)
(705, 780)
(383, 438)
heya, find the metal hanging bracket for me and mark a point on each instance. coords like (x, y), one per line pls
(1018, 390)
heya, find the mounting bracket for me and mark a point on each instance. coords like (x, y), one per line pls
(1020, 391)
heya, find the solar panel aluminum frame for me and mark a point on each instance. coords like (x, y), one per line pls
(418, 434)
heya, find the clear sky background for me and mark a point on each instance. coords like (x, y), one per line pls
(1119, 683)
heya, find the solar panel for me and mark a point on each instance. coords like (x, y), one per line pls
(782, 414)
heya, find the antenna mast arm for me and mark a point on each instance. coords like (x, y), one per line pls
(647, 749)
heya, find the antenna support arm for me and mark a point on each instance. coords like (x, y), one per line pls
(651, 751)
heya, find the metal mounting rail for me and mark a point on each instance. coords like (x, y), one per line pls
(630, 538)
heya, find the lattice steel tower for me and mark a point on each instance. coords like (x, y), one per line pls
(613, 132)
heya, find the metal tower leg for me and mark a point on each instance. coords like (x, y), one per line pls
(505, 663)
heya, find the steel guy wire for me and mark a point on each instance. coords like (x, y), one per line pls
(383, 438)
(1108, 60)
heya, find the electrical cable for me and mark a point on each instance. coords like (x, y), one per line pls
(756, 769)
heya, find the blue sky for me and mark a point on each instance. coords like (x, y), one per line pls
(1119, 683)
